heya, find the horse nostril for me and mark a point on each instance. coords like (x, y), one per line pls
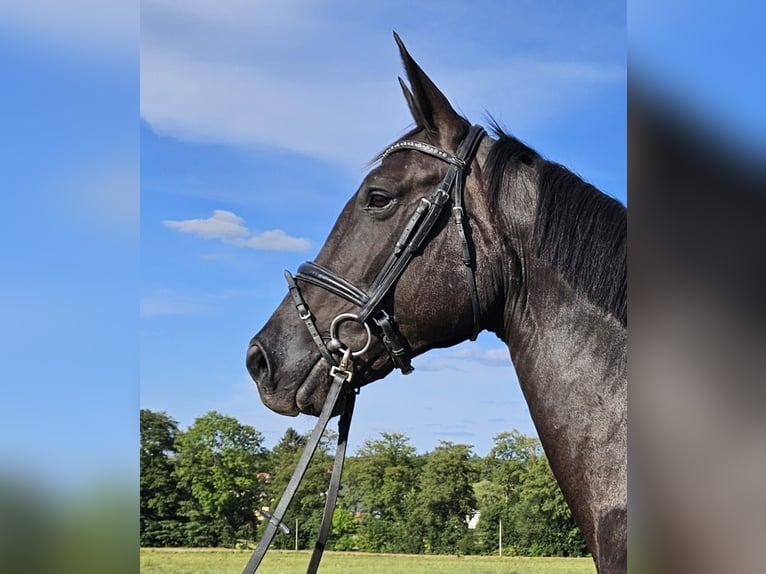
(257, 365)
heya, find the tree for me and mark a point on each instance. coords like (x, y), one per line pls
(218, 461)
(446, 498)
(507, 461)
(344, 528)
(160, 497)
(308, 503)
(544, 524)
(520, 489)
(381, 484)
(381, 475)
(203, 487)
(291, 442)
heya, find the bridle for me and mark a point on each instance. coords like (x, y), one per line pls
(373, 318)
(371, 315)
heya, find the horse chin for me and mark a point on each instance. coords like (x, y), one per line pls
(312, 392)
(292, 402)
(280, 404)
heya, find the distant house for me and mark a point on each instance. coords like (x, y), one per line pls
(473, 519)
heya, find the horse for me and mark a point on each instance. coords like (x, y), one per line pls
(452, 232)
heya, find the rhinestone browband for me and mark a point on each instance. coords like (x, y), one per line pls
(424, 148)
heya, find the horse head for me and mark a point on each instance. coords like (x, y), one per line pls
(359, 292)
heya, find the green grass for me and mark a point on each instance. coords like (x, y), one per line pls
(218, 561)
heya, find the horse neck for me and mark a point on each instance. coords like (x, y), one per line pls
(569, 355)
(570, 359)
(538, 310)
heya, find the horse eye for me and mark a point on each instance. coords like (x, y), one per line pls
(378, 200)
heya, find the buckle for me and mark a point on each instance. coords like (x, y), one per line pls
(440, 196)
(337, 369)
(344, 367)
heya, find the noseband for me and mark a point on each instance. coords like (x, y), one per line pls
(371, 315)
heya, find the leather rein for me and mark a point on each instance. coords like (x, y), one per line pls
(374, 319)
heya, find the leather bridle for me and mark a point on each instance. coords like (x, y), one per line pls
(373, 318)
(371, 315)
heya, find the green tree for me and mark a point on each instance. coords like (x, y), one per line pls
(446, 498)
(519, 488)
(291, 442)
(508, 459)
(308, 503)
(502, 471)
(544, 525)
(487, 493)
(381, 484)
(161, 496)
(344, 528)
(218, 461)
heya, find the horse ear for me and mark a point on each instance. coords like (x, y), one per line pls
(417, 114)
(430, 108)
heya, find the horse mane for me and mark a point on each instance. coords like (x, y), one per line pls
(578, 229)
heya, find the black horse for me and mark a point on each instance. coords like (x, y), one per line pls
(522, 248)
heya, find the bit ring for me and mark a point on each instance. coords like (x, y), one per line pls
(334, 332)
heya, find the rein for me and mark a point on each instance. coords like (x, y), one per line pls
(372, 317)
(340, 379)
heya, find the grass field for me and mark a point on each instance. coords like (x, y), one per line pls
(218, 561)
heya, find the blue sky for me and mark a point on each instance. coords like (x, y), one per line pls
(257, 120)
(68, 297)
(707, 58)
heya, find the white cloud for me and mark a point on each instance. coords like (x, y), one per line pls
(230, 228)
(338, 119)
(213, 257)
(221, 225)
(237, 104)
(233, 78)
(487, 356)
(465, 358)
(165, 303)
(274, 240)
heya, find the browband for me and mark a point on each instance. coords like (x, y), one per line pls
(423, 148)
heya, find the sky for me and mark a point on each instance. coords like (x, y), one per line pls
(706, 59)
(257, 120)
(69, 288)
